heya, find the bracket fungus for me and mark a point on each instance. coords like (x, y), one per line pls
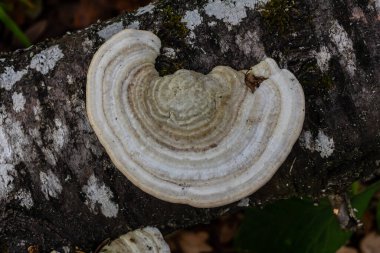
(144, 240)
(202, 140)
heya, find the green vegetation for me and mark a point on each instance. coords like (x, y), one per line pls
(11, 25)
(299, 226)
(173, 33)
(172, 24)
(5, 7)
(277, 14)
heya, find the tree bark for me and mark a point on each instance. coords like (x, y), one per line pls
(58, 187)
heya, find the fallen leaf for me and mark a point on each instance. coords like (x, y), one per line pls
(194, 242)
(345, 249)
(370, 243)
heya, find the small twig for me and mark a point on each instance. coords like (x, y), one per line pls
(344, 212)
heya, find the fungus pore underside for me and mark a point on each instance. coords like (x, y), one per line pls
(202, 140)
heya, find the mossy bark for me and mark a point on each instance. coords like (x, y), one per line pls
(59, 189)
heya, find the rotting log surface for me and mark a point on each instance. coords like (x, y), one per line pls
(58, 188)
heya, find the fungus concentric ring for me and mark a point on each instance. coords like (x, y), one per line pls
(202, 140)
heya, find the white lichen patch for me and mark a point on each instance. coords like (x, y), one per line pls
(69, 79)
(231, 12)
(169, 52)
(192, 19)
(322, 143)
(18, 102)
(134, 25)
(66, 249)
(5, 147)
(145, 9)
(377, 6)
(99, 195)
(49, 156)
(25, 198)
(60, 135)
(7, 175)
(45, 61)
(87, 44)
(358, 14)
(18, 142)
(110, 30)
(344, 46)
(10, 77)
(37, 110)
(251, 44)
(50, 184)
(244, 202)
(323, 58)
(306, 140)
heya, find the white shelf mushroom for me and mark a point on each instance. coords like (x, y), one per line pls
(145, 240)
(202, 140)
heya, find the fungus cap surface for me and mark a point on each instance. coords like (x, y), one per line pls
(202, 140)
(144, 240)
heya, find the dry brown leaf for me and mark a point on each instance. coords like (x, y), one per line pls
(194, 242)
(228, 227)
(345, 249)
(33, 249)
(370, 243)
(35, 31)
(87, 13)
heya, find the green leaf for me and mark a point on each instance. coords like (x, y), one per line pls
(11, 25)
(297, 226)
(361, 201)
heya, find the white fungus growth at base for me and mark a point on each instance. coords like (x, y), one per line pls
(344, 46)
(45, 61)
(108, 31)
(192, 19)
(231, 12)
(98, 194)
(7, 175)
(322, 143)
(18, 102)
(50, 184)
(244, 202)
(10, 77)
(323, 57)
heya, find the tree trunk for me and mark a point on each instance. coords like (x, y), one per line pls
(58, 187)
